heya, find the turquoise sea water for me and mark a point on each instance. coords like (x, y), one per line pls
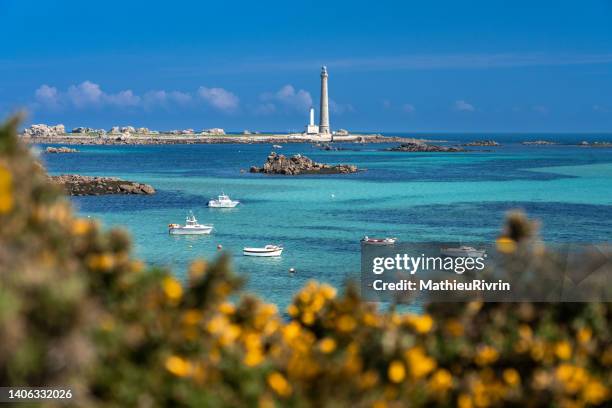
(320, 219)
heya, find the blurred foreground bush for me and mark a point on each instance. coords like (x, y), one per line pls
(76, 310)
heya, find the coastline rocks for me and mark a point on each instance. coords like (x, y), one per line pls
(60, 150)
(42, 130)
(213, 132)
(88, 131)
(298, 164)
(424, 147)
(482, 143)
(77, 185)
(341, 132)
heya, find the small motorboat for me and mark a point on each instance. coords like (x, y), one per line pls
(277, 146)
(268, 250)
(378, 241)
(223, 201)
(191, 227)
(463, 251)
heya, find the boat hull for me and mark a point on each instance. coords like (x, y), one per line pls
(463, 254)
(190, 231)
(273, 253)
(213, 204)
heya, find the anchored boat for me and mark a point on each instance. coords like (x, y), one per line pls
(378, 241)
(268, 250)
(223, 201)
(463, 251)
(191, 227)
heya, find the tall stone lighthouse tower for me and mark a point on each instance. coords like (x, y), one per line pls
(324, 112)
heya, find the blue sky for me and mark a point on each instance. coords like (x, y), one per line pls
(470, 66)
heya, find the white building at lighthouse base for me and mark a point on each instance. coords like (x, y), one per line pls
(311, 128)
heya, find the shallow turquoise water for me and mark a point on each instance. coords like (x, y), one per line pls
(320, 219)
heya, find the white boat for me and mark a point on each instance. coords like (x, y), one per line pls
(463, 251)
(268, 250)
(223, 201)
(277, 146)
(191, 227)
(378, 241)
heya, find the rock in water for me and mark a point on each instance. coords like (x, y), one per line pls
(424, 147)
(77, 185)
(60, 150)
(298, 164)
(482, 143)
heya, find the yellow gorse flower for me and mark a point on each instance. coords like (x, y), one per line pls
(419, 363)
(422, 324)
(486, 355)
(346, 323)
(327, 345)
(279, 384)
(505, 245)
(563, 350)
(396, 371)
(440, 381)
(101, 262)
(172, 289)
(511, 377)
(6, 190)
(80, 226)
(178, 366)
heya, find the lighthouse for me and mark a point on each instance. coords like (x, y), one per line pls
(311, 128)
(324, 112)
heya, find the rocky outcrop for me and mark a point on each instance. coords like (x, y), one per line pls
(77, 185)
(482, 143)
(341, 132)
(539, 142)
(85, 130)
(213, 132)
(60, 150)
(326, 147)
(424, 147)
(298, 164)
(43, 130)
(595, 144)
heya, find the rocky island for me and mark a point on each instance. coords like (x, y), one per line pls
(539, 143)
(595, 144)
(77, 185)
(130, 135)
(60, 150)
(298, 164)
(424, 147)
(482, 143)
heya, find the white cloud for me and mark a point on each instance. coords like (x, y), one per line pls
(219, 98)
(408, 108)
(123, 98)
(463, 106)
(156, 98)
(88, 94)
(85, 94)
(47, 96)
(287, 97)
